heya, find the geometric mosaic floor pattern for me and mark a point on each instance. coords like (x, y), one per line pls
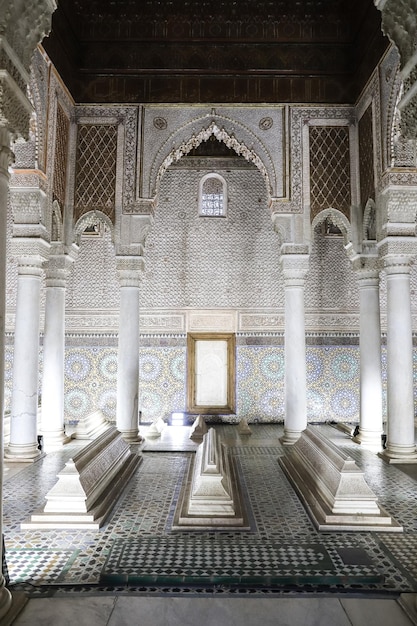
(216, 560)
(136, 550)
(39, 567)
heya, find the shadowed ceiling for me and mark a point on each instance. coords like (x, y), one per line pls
(223, 51)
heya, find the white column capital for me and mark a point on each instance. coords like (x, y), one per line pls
(30, 254)
(129, 270)
(28, 206)
(294, 268)
(397, 251)
(134, 229)
(57, 270)
(367, 271)
(397, 264)
(6, 154)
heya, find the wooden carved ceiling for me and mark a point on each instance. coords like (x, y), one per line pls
(222, 51)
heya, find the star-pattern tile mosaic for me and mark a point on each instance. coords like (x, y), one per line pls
(332, 381)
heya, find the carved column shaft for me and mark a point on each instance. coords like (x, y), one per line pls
(400, 436)
(23, 423)
(30, 247)
(23, 25)
(295, 268)
(370, 426)
(5, 158)
(52, 427)
(127, 411)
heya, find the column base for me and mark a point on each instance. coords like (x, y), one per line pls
(5, 600)
(131, 436)
(408, 602)
(290, 437)
(22, 453)
(395, 453)
(369, 439)
(54, 440)
(11, 604)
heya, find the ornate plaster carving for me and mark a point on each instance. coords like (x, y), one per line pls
(213, 321)
(126, 117)
(129, 270)
(369, 230)
(57, 223)
(295, 262)
(258, 321)
(6, 155)
(58, 267)
(221, 134)
(398, 211)
(299, 163)
(338, 219)
(28, 209)
(142, 206)
(162, 323)
(403, 149)
(92, 218)
(397, 251)
(399, 23)
(237, 127)
(31, 253)
(332, 321)
(22, 26)
(15, 108)
(134, 230)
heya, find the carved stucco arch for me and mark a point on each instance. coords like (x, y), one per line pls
(91, 219)
(369, 214)
(402, 150)
(186, 139)
(338, 219)
(393, 113)
(37, 119)
(56, 222)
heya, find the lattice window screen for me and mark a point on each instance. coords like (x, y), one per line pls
(329, 169)
(212, 197)
(95, 183)
(60, 159)
(366, 157)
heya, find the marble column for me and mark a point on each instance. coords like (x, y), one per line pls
(400, 436)
(5, 159)
(294, 267)
(370, 424)
(127, 411)
(23, 444)
(52, 425)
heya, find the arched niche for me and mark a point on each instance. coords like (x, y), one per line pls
(236, 136)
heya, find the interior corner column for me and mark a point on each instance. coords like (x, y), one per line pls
(370, 424)
(295, 267)
(5, 159)
(52, 424)
(127, 410)
(400, 436)
(23, 444)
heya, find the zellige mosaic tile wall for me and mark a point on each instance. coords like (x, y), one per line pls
(332, 381)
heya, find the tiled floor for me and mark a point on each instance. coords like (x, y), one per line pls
(282, 555)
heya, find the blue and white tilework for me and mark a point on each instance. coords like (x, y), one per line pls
(333, 376)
